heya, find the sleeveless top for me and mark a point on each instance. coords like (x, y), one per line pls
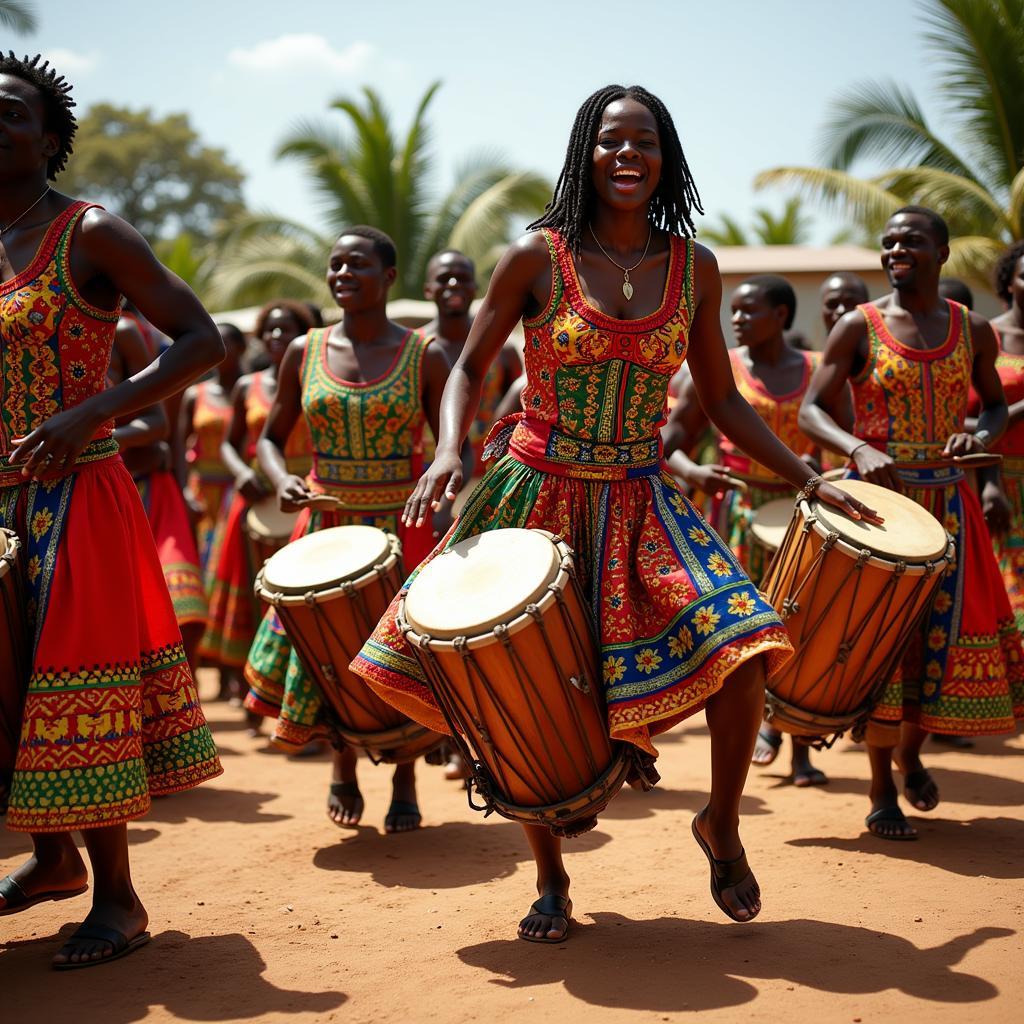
(908, 401)
(257, 408)
(367, 437)
(779, 412)
(595, 392)
(1010, 367)
(210, 421)
(54, 346)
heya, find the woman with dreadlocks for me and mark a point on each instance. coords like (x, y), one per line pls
(111, 715)
(613, 292)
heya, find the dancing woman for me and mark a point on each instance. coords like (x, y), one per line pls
(613, 292)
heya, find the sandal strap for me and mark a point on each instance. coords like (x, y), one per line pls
(551, 905)
(729, 873)
(884, 814)
(12, 892)
(101, 933)
(345, 789)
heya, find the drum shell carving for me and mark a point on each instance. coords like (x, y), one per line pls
(850, 616)
(14, 658)
(527, 701)
(327, 627)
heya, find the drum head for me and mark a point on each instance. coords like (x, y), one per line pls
(771, 521)
(265, 519)
(325, 559)
(909, 533)
(482, 582)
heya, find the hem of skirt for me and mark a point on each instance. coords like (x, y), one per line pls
(957, 726)
(291, 737)
(260, 707)
(21, 822)
(632, 724)
(397, 690)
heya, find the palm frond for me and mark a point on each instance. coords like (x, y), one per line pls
(18, 16)
(488, 216)
(1015, 208)
(973, 257)
(883, 121)
(727, 232)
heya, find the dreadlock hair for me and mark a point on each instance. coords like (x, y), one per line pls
(57, 102)
(1006, 268)
(675, 199)
(383, 246)
(778, 291)
(940, 229)
(298, 310)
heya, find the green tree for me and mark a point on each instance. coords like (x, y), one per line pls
(977, 184)
(373, 175)
(18, 16)
(153, 171)
(791, 227)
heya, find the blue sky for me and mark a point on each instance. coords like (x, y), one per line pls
(747, 82)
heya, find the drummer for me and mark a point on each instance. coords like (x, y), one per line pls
(614, 290)
(772, 376)
(366, 387)
(910, 358)
(232, 621)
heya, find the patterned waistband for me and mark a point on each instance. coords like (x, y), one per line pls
(921, 465)
(364, 485)
(95, 451)
(541, 446)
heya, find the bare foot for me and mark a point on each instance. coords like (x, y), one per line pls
(57, 875)
(345, 804)
(733, 885)
(129, 922)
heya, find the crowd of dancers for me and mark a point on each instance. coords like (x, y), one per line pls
(151, 458)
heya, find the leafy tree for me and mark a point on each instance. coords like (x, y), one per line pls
(153, 171)
(18, 16)
(978, 183)
(791, 227)
(374, 175)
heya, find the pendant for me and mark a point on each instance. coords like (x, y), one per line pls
(627, 288)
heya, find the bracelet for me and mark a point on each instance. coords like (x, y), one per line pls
(856, 448)
(808, 490)
(984, 437)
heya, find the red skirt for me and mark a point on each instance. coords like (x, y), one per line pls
(111, 715)
(175, 544)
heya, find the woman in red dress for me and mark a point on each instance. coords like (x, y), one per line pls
(111, 715)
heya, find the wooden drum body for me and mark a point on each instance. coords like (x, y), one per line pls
(501, 630)
(851, 595)
(14, 658)
(267, 530)
(330, 589)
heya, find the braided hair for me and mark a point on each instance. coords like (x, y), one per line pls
(57, 102)
(1006, 268)
(675, 199)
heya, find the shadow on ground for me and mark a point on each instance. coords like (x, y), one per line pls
(447, 856)
(206, 978)
(670, 964)
(961, 787)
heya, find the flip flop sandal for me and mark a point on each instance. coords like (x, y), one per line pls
(401, 809)
(346, 789)
(888, 814)
(811, 777)
(120, 942)
(551, 905)
(16, 900)
(769, 740)
(725, 874)
(915, 781)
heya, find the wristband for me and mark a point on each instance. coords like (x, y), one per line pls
(809, 488)
(856, 448)
(984, 437)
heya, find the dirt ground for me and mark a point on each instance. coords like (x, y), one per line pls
(261, 909)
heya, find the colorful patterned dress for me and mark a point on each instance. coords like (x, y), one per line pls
(234, 613)
(780, 413)
(111, 716)
(964, 673)
(208, 477)
(367, 452)
(1009, 547)
(673, 611)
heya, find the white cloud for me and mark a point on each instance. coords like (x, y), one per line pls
(302, 52)
(68, 62)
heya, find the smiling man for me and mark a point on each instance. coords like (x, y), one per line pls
(910, 358)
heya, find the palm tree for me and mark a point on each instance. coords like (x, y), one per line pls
(788, 228)
(18, 16)
(977, 185)
(374, 177)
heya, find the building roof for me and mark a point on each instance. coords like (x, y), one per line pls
(795, 259)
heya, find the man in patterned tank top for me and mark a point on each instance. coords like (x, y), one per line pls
(909, 359)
